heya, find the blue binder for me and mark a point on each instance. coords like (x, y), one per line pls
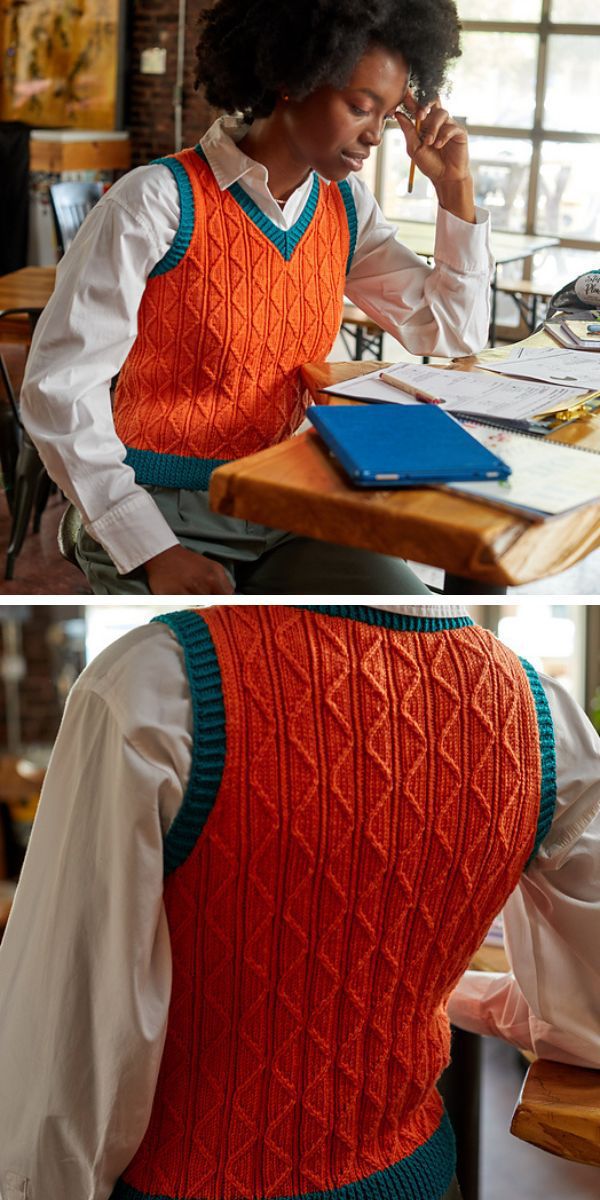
(388, 445)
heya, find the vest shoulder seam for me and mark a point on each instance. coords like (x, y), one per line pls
(208, 735)
(181, 242)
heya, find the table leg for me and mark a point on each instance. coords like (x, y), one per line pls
(460, 1087)
(494, 306)
(459, 585)
(360, 345)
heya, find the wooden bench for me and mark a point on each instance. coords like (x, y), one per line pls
(367, 334)
(526, 293)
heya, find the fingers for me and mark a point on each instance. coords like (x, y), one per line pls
(411, 104)
(411, 137)
(436, 129)
(216, 579)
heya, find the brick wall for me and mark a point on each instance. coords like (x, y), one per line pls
(40, 703)
(149, 105)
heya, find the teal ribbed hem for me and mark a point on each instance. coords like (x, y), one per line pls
(350, 206)
(284, 240)
(388, 620)
(183, 237)
(172, 470)
(208, 735)
(548, 756)
(426, 1174)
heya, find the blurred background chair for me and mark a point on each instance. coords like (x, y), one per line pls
(26, 482)
(71, 202)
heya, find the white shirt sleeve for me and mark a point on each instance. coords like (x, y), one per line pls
(85, 964)
(81, 341)
(444, 309)
(549, 1003)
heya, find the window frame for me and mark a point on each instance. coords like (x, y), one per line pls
(536, 135)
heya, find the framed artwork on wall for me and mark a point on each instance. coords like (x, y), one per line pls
(61, 62)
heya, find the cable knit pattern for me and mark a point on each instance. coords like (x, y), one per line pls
(224, 327)
(376, 804)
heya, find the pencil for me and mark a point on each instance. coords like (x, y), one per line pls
(417, 393)
(411, 174)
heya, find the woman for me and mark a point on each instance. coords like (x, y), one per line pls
(208, 278)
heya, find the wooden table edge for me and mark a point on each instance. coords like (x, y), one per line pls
(561, 1126)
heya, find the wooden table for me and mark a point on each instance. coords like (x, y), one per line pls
(31, 287)
(505, 245)
(297, 486)
(559, 1111)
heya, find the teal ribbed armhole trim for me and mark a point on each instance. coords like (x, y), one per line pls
(183, 237)
(548, 756)
(388, 620)
(208, 735)
(426, 1174)
(350, 206)
(284, 240)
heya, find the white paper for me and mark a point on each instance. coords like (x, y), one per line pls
(370, 387)
(464, 391)
(570, 368)
(547, 478)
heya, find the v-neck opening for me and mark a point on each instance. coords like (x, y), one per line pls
(284, 240)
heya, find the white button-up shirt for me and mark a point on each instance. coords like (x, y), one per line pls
(90, 323)
(85, 965)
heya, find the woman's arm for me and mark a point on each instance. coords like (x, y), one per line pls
(82, 339)
(442, 310)
(85, 964)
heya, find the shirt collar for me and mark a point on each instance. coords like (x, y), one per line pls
(436, 611)
(227, 163)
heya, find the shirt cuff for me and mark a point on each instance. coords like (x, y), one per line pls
(132, 532)
(462, 246)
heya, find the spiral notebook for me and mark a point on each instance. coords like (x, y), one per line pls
(382, 445)
(548, 478)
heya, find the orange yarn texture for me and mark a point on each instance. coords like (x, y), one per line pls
(214, 370)
(379, 801)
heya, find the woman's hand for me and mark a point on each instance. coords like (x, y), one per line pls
(181, 572)
(441, 152)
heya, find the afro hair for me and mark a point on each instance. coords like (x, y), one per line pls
(249, 50)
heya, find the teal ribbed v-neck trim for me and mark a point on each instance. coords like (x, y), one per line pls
(284, 240)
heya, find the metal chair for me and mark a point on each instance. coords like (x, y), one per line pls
(27, 484)
(71, 203)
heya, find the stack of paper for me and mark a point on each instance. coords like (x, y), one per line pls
(574, 334)
(475, 393)
(547, 478)
(569, 368)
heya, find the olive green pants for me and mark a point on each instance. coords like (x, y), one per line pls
(258, 560)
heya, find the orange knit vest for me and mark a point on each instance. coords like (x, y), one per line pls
(364, 794)
(226, 321)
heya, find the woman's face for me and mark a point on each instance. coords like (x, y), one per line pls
(333, 130)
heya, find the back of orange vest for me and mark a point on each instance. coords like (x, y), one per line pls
(365, 792)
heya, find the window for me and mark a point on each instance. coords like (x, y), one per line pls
(551, 636)
(526, 85)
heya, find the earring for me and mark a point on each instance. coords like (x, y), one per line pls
(285, 97)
